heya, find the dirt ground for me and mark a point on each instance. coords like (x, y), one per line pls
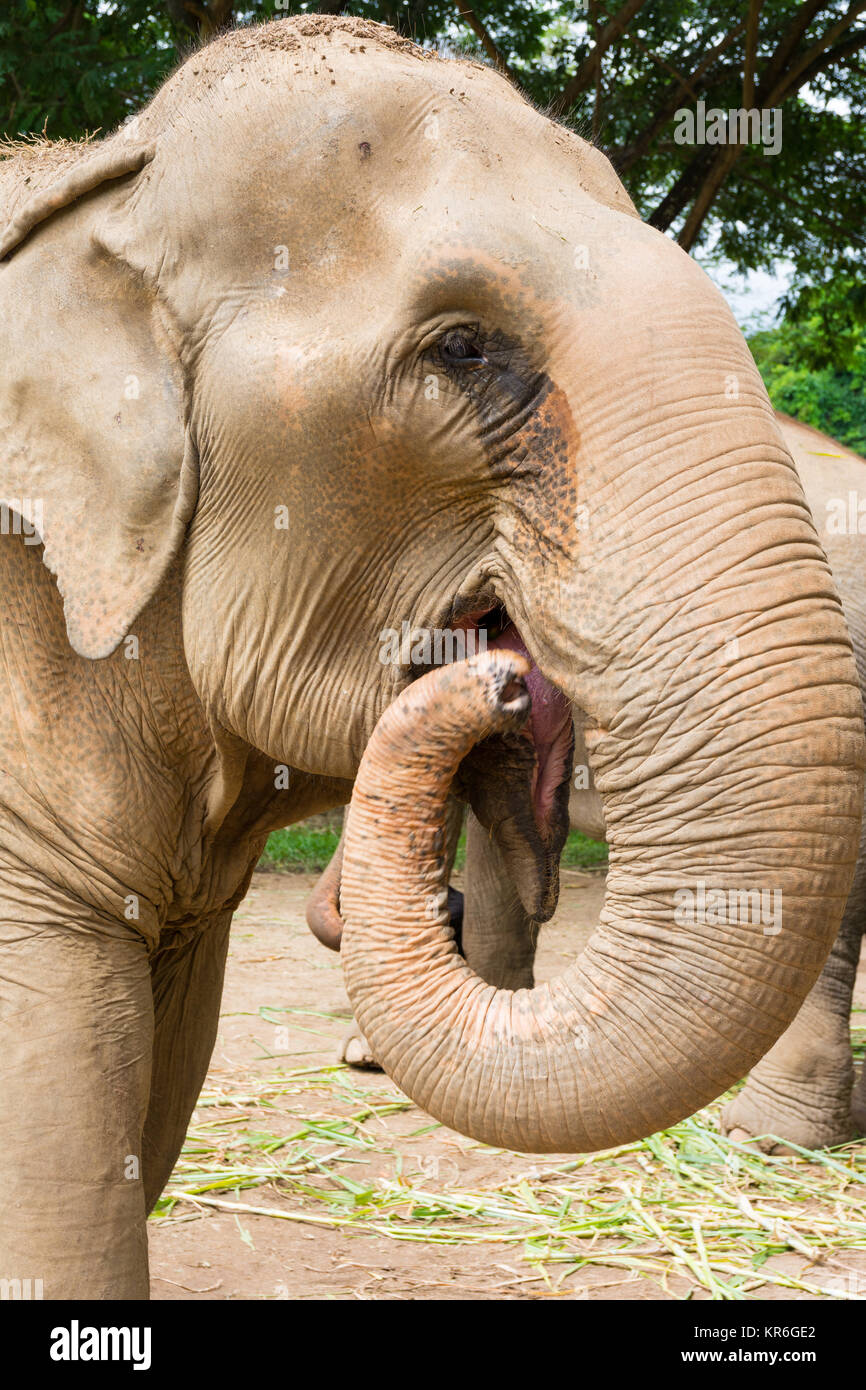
(274, 1095)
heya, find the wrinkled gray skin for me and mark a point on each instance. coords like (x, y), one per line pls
(803, 1090)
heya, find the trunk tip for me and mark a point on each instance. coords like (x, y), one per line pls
(504, 676)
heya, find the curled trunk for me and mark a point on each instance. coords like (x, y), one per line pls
(660, 1013)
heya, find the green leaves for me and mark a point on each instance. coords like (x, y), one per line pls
(71, 68)
(814, 363)
(618, 74)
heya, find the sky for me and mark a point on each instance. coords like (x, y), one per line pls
(752, 297)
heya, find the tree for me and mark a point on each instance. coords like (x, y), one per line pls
(623, 72)
(833, 399)
(71, 68)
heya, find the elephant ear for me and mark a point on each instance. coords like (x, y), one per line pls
(93, 446)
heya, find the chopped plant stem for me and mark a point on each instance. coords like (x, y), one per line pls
(688, 1209)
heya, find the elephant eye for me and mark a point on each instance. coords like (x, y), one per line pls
(460, 348)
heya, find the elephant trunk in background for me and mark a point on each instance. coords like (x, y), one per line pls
(323, 904)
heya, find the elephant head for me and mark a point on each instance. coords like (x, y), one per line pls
(349, 342)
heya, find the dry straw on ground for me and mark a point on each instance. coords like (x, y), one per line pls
(686, 1201)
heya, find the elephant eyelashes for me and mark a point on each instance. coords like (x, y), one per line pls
(459, 348)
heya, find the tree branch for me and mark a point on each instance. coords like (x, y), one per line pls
(479, 28)
(790, 41)
(686, 84)
(585, 75)
(714, 169)
(640, 146)
(792, 78)
(684, 187)
(596, 105)
(220, 13)
(197, 12)
(719, 170)
(727, 158)
(836, 56)
(805, 212)
(203, 17)
(70, 20)
(751, 49)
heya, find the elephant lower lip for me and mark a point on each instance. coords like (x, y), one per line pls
(517, 784)
(549, 727)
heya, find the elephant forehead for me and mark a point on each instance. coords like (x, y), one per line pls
(322, 150)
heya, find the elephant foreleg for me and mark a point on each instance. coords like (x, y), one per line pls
(76, 1034)
(187, 980)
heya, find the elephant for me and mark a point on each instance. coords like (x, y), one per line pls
(802, 1091)
(335, 343)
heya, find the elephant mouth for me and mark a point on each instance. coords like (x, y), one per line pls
(549, 729)
(518, 784)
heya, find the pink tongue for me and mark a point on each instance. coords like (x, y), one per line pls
(549, 727)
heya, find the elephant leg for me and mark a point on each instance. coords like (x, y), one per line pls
(76, 1033)
(802, 1089)
(499, 938)
(187, 978)
(858, 1105)
(354, 1049)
